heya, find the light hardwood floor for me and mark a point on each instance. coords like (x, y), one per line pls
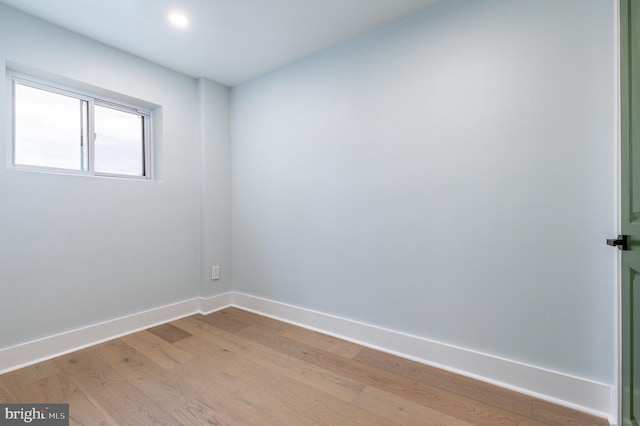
(237, 368)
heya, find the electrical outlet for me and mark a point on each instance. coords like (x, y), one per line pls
(215, 272)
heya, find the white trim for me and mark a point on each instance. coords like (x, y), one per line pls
(616, 407)
(87, 94)
(46, 348)
(215, 303)
(574, 392)
(562, 389)
(22, 355)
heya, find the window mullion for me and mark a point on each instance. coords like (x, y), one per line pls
(91, 139)
(83, 135)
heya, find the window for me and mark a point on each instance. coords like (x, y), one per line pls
(55, 128)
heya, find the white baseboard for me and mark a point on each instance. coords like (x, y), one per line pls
(574, 392)
(215, 303)
(22, 355)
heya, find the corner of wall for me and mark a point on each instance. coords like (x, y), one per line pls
(214, 186)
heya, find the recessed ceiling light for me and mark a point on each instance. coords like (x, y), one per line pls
(178, 20)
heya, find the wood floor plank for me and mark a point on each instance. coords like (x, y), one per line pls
(6, 396)
(485, 392)
(257, 320)
(61, 388)
(10, 387)
(147, 376)
(276, 342)
(129, 362)
(191, 394)
(322, 407)
(156, 349)
(490, 394)
(549, 413)
(198, 398)
(107, 388)
(255, 404)
(402, 410)
(37, 372)
(304, 401)
(169, 332)
(453, 404)
(202, 410)
(209, 339)
(52, 389)
(328, 343)
(449, 403)
(237, 368)
(224, 321)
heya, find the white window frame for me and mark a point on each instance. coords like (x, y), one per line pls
(92, 100)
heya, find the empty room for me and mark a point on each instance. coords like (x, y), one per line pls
(304, 212)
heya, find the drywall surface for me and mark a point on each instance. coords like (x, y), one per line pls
(450, 176)
(74, 250)
(215, 186)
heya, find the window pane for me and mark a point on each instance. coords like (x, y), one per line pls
(48, 128)
(119, 142)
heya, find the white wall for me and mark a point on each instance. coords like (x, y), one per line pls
(215, 186)
(450, 176)
(75, 251)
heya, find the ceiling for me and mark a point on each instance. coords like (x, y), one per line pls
(229, 41)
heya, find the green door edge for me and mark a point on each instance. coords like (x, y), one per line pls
(629, 121)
